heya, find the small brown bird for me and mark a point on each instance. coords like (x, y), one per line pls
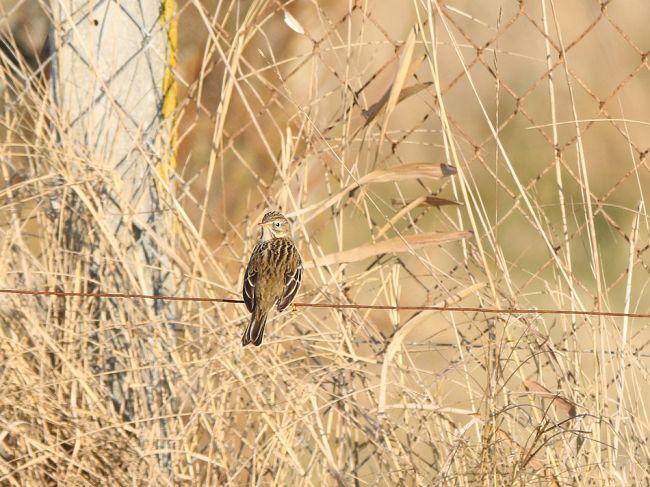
(273, 274)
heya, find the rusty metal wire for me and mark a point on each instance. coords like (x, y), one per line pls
(617, 314)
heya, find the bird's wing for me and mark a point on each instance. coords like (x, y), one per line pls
(250, 279)
(292, 281)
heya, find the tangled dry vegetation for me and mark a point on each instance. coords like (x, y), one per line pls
(429, 156)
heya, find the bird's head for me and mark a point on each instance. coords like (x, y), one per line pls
(274, 225)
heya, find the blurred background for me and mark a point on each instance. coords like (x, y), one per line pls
(476, 154)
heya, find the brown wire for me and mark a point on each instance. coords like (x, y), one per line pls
(617, 314)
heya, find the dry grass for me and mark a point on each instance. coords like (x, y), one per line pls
(542, 109)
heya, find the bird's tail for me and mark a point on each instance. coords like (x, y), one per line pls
(255, 329)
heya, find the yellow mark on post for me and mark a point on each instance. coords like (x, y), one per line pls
(170, 87)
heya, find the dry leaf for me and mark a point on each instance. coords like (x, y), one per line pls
(389, 246)
(412, 90)
(400, 78)
(293, 24)
(427, 201)
(376, 107)
(403, 71)
(539, 390)
(424, 170)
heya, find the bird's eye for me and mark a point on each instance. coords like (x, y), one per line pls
(276, 224)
